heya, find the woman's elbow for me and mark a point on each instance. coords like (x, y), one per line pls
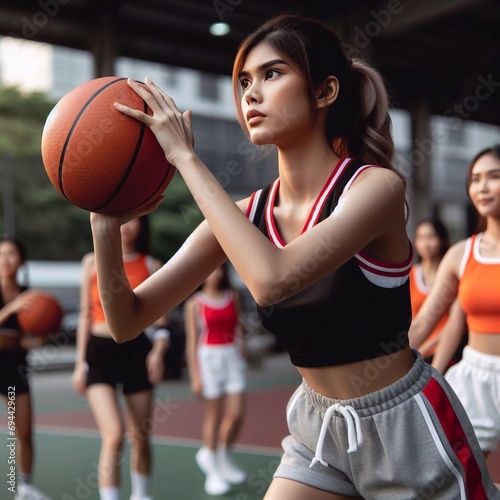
(121, 335)
(268, 292)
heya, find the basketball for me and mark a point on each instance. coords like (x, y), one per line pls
(43, 316)
(98, 158)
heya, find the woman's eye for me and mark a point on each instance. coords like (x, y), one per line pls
(244, 83)
(270, 73)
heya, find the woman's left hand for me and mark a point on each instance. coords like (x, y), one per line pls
(155, 366)
(171, 127)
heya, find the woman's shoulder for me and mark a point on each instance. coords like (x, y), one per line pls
(381, 179)
(88, 260)
(88, 265)
(454, 256)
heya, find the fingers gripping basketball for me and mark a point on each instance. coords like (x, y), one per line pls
(100, 159)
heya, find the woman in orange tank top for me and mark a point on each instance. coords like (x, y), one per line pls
(102, 364)
(470, 270)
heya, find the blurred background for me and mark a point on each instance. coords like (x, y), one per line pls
(441, 63)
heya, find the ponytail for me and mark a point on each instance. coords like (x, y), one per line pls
(369, 139)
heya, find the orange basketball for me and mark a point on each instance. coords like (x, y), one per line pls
(43, 316)
(98, 158)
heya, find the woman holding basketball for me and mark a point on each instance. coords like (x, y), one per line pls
(101, 365)
(14, 383)
(325, 253)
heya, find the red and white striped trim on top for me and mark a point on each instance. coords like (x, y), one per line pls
(316, 209)
(385, 274)
(379, 273)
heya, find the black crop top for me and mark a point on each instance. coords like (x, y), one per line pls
(11, 322)
(360, 311)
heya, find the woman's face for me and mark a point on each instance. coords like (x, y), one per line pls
(427, 242)
(214, 279)
(10, 259)
(275, 103)
(130, 231)
(484, 187)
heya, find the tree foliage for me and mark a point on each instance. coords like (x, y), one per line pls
(32, 209)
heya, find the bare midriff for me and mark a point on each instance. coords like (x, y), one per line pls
(100, 330)
(358, 379)
(9, 339)
(487, 343)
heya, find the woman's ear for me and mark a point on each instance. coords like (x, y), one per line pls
(327, 92)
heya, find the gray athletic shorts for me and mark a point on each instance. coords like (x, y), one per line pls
(411, 440)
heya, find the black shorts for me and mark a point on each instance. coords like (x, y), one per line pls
(14, 371)
(112, 363)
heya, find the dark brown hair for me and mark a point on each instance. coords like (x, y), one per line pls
(358, 122)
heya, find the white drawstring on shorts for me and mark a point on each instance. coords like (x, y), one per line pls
(354, 434)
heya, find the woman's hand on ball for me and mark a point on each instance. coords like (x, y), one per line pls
(171, 127)
(108, 220)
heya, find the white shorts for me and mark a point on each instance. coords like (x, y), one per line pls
(222, 370)
(476, 381)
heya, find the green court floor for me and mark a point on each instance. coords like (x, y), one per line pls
(66, 465)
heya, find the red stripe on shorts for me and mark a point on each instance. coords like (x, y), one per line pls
(457, 439)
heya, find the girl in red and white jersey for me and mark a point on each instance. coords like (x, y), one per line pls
(471, 270)
(217, 369)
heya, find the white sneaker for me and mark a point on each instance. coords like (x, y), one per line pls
(29, 492)
(229, 471)
(214, 484)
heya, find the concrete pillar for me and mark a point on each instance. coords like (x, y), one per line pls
(420, 158)
(103, 37)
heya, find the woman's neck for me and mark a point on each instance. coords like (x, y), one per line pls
(213, 292)
(430, 265)
(492, 231)
(129, 250)
(304, 169)
(9, 283)
(429, 269)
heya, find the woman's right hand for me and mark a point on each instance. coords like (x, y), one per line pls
(79, 378)
(196, 386)
(106, 222)
(23, 302)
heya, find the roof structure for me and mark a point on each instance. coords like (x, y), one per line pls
(441, 52)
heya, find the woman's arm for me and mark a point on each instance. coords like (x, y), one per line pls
(192, 337)
(129, 312)
(442, 294)
(242, 328)
(450, 337)
(83, 327)
(372, 205)
(161, 341)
